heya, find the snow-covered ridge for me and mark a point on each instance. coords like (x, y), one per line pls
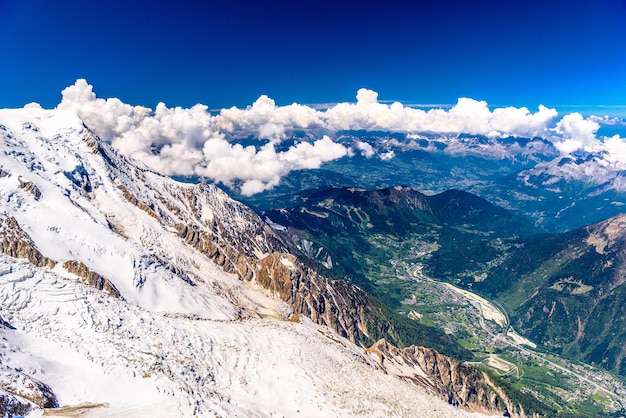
(195, 331)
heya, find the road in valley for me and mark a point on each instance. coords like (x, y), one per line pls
(493, 312)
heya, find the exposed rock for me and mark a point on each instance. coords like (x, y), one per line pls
(455, 382)
(19, 391)
(340, 305)
(91, 278)
(15, 242)
(132, 199)
(11, 406)
(5, 324)
(95, 145)
(4, 173)
(30, 187)
(80, 178)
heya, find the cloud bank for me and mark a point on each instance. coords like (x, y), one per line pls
(192, 141)
(177, 141)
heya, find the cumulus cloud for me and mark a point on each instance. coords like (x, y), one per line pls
(263, 168)
(267, 120)
(388, 155)
(467, 116)
(178, 141)
(366, 149)
(615, 147)
(192, 141)
(577, 133)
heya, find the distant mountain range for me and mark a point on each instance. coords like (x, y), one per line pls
(565, 291)
(528, 176)
(562, 290)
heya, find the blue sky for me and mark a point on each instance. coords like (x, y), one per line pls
(565, 54)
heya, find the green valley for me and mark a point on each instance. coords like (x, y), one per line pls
(540, 289)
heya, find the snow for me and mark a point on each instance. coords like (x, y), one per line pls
(186, 338)
(91, 348)
(274, 225)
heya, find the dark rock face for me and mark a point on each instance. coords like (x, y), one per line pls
(339, 305)
(91, 278)
(19, 392)
(5, 324)
(30, 187)
(11, 406)
(15, 242)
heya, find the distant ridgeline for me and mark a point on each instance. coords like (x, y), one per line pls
(526, 175)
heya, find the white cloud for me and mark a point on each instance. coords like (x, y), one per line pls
(267, 120)
(192, 141)
(577, 133)
(365, 97)
(262, 169)
(615, 147)
(467, 116)
(110, 118)
(180, 141)
(366, 149)
(606, 120)
(520, 122)
(387, 155)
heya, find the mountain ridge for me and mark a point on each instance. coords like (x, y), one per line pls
(575, 283)
(127, 226)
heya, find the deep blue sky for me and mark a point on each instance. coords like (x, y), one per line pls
(228, 52)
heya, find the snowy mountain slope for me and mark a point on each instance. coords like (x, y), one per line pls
(593, 168)
(187, 336)
(98, 350)
(69, 223)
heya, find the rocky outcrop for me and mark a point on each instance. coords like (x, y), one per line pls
(13, 406)
(133, 200)
(30, 187)
(15, 242)
(91, 278)
(80, 178)
(5, 324)
(339, 305)
(19, 392)
(455, 382)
